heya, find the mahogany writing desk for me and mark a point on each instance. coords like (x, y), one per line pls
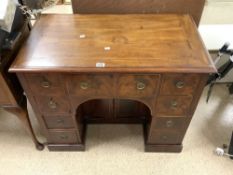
(80, 69)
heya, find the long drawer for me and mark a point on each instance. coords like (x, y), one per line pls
(121, 86)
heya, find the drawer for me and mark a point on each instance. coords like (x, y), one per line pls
(62, 137)
(90, 85)
(179, 84)
(166, 137)
(53, 105)
(59, 122)
(178, 123)
(173, 106)
(45, 84)
(142, 86)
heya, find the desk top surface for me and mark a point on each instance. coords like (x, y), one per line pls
(114, 43)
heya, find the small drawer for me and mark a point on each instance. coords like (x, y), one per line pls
(173, 106)
(166, 137)
(179, 84)
(62, 137)
(140, 86)
(59, 122)
(53, 105)
(90, 85)
(178, 123)
(45, 84)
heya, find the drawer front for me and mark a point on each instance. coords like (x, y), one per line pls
(179, 84)
(59, 122)
(62, 137)
(166, 137)
(53, 105)
(178, 123)
(45, 84)
(169, 106)
(90, 85)
(142, 86)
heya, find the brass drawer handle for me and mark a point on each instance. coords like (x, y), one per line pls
(169, 123)
(63, 137)
(84, 85)
(174, 104)
(60, 121)
(180, 84)
(141, 86)
(52, 104)
(45, 84)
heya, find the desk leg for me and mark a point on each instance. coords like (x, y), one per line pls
(22, 114)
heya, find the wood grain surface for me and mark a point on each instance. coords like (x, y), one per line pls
(114, 43)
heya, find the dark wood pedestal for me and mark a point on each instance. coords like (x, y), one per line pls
(148, 69)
